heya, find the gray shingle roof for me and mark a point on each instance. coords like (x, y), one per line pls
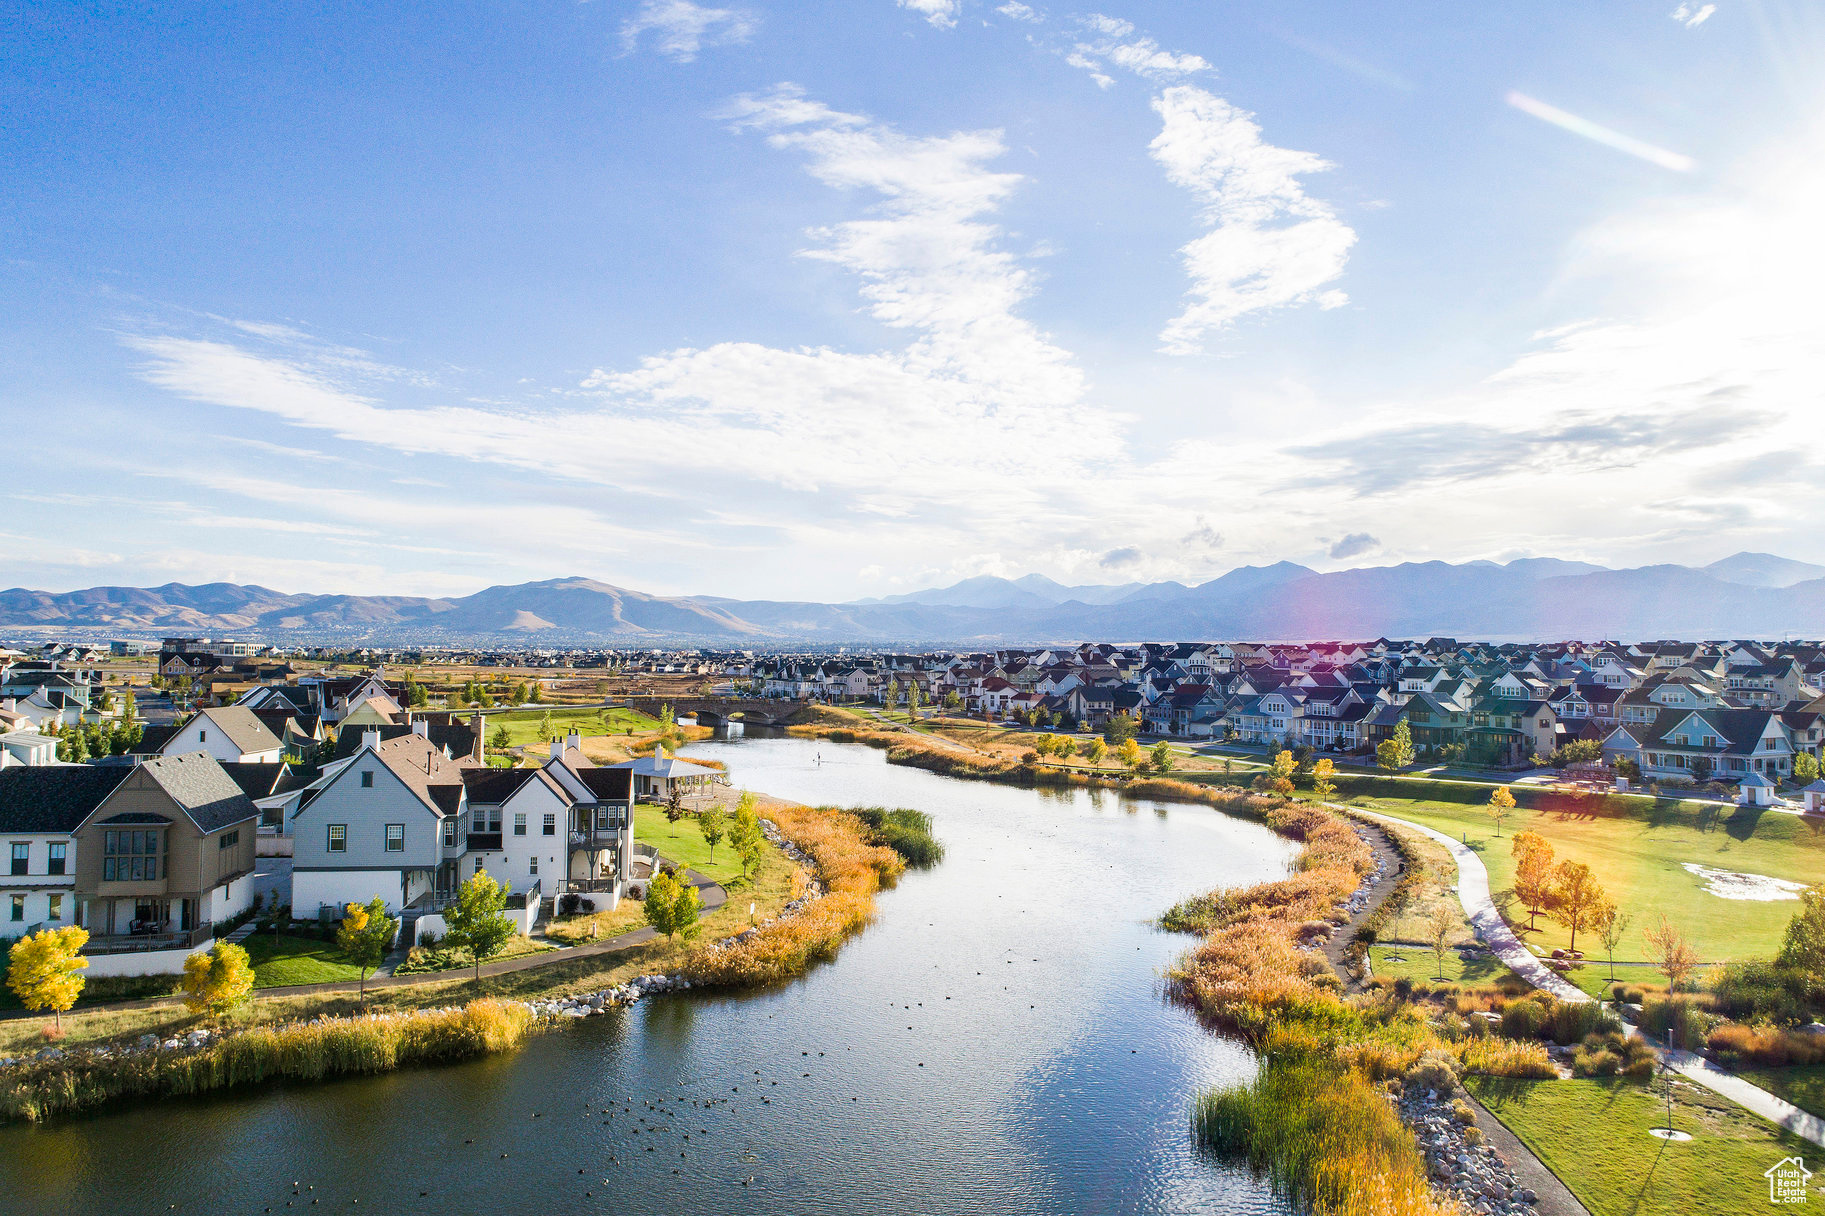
(54, 798)
(198, 785)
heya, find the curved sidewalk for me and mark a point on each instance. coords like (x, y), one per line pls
(1473, 893)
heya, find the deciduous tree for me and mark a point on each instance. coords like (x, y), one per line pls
(364, 936)
(1094, 749)
(1501, 805)
(1611, 927)
(217, 980)
(1533, 880)
(1324, 773)
(1803, 947)
(1132, 755)
(475, 921)
(1280, 774)
(713, 822)
(44, 969)
(1577, 898)
(1396, 751)
(1439, 927)
(745, 834)
(1672, 954)
(1162, 756)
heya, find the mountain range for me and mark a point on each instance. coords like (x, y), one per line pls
(1743, 596)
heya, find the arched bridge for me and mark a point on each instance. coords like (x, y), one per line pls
(716, 711)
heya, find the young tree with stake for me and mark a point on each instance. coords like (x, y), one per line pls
(1501, 805)
(475, 922)
(364, 936)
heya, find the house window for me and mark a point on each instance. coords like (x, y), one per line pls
(130, 856)
(202, 736)
(396, 837)
(18, 907)
(339, 838)
(60, 853)
(532, 865)
(478, 865)
(551, 825)
(367, 779)
(228, 840)
(55, 910)
(519, 825)
(22, 857)
(449, 833)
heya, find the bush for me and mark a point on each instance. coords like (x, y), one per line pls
(1755, 990)
(906, 832)
(1543, 1016)
(1433, 1070)
(1769, 1046)
(1680, 1014)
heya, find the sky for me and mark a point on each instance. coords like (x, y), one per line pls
(835, 300)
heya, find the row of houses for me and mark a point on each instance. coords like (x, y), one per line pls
(1676, 709)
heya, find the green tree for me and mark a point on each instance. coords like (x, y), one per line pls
(1396, 752)
(521, 693)
(891, 694)
(547, 729)
(672, 904)
(913, 698)
(1805, 768)
(217, 980)
(483, 697)
(745, 834)
(1162, 756)
(1803, 946)
(1501, 804)
(44, 969)
(952, 702)
(1119, 727)
(475, 922)
(364, 936)
(714, 824)
(501, 739)
(1094, 749)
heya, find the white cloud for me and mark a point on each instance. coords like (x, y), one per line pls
(1270, 244)
(1690, 15)
(681, 28)
(941, 13)
(1019, 11)
(1111, 41)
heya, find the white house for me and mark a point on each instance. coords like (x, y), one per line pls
(233, 734)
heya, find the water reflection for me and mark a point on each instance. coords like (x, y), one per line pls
(994, 1043)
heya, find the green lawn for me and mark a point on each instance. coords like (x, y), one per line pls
(1804, 1087)
(1639, 857)
(1418, 963)
(523, 724)
(1594, 1135)
(284, 958)
(683, 842)
(439, 959)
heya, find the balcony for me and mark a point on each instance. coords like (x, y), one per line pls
(137, 943)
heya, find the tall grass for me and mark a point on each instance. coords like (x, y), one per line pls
(305, 1051)
(1313, 1118)
(906, 832)
(852, 869)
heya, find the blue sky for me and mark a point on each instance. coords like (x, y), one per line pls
(836, 300)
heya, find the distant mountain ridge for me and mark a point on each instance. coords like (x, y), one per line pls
(1748, 595)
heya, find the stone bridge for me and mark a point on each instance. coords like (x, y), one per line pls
(716, 711)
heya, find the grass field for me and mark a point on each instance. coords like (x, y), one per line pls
(1594, 1135)
(523, 724)
(683, 842)
(283, 958)
(1639, 859)
(1418, 963)
(771, 885)
(1804, 1087)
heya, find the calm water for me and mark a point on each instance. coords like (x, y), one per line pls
(994, 1043)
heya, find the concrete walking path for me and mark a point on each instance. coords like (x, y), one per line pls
(1479, 906)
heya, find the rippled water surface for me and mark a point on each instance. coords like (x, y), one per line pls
(994, 1043)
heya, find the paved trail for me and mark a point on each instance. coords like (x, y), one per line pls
(1473, 893)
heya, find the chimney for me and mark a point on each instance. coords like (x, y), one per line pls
(557, 749)
(573, 739)
(420, 727)
(476, 738)
(370, 739)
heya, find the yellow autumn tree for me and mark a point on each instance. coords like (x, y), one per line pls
(44, 969)
(217, 980)
(1501, 803)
